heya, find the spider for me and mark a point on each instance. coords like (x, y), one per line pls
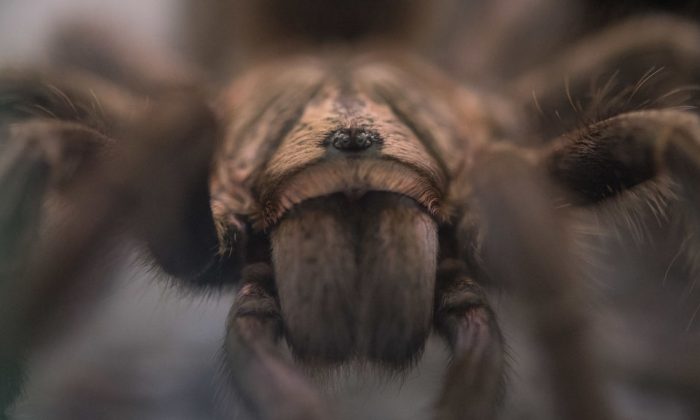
(357, 196)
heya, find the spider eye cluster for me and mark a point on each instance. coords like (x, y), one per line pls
(353, 140)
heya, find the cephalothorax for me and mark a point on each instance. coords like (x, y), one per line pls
(355, 196)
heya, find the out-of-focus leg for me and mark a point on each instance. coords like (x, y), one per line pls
(155, 182)
(527, 249)
(268, 385)
(474, 382)
(645, 62)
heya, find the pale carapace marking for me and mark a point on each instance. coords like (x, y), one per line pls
(282, 119)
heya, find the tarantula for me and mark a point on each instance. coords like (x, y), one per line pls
(356, 195)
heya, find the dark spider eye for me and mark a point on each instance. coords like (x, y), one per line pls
(352, 141)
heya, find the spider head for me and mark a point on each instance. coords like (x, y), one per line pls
(350, 198)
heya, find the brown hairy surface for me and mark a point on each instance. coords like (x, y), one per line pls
(277, 151)
(359, 187)
(352, 268)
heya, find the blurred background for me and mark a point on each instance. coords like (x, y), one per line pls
(142, 349)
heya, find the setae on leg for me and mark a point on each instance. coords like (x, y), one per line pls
(474, 382)
(270, 388)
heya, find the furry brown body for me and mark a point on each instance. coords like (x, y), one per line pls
(353, 230)
(355, 196)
